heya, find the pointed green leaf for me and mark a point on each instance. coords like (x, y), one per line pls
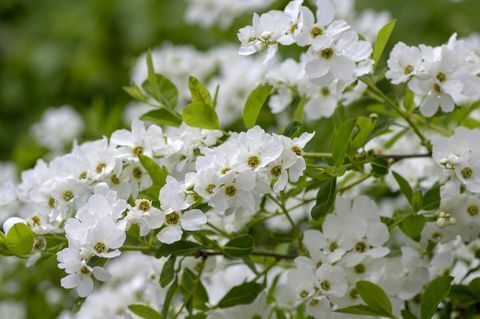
(404, 186)
(200, 115)
(325, 198)
(157, 173)
(20, 239)
(254, 104)
(436, 291)
(413, 225)
(360, 310)
(168, 272)
(239, 246)
(162, 117)
(382, 40)
(341, 138)
(375, 297)
(241, 295)
(144, 311)
(178, 248)
(431, 199)
(199, 92)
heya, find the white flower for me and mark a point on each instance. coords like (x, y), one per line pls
(331, 280)
(145, 216)
(403, 63)
(176, 222)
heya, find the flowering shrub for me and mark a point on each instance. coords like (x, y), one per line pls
(177, 217)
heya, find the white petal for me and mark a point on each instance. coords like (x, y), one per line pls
(170, 234)
(70, 281)
(193, 219)
(85, 286)
(101, 273)
(326, 12)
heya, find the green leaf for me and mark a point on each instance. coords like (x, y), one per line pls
(431, 199)
(360, 310)
(474, 287)
(406, 314)
(436, 291)
(325, 198)
(3, 246)
(375, 297)
(293, 129)
(201, 115)
(162, 117)
(241, 294)
(168, 298)
(159, 87)
(380, 166)
(417, 201)
(199, 92)
(144, 311)
(157, 173)
(298, 116)
(254, 104)
(382, 40)
(178, 248)
(136, 93)
(413, 225)
(20, 239)
(404, 186)
(168, 272)
(341, 138)
(239, 246)
(366, 127)
(200, 295)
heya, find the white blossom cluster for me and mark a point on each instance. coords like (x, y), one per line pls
(92, 193)
(440, 77)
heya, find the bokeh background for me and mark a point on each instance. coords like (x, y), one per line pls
(81, 53)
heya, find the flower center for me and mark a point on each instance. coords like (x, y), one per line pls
(210, 188)
(441, 77)
(253, 161)
(276, 170)
(408, 69)
(83, 175)
(333, 246)
(137, 173)
(325, 285)
(437, 88)
(225, 170)
(353, 293)
(115, 180)
(360, 247)
(230, 190)
(84, 270)
(472, 210)
(144, 205)
(100, 247)
(172, 218)
(314, 302)
(51, 202)
(36, 220)
(467, 172)
(100, 167)
(303, 293)
(138, 150)
(327, 53)
(325, 91)
(297, 150)
(68, 195)
(359, 269)
(316, 31)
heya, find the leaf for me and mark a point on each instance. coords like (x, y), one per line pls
(417, 201)
(178, 248)
(382, 40)
(298, 116)
(361, 310)
(20, 239)
(157, 173)
(168, 298)
(406, 314)
(136, 93)
(3, 246)
(159, 87)
(413, 225)
(474, 287)
(380, 166)
(254, 104)
(436, 291)
(375, 297)
(162, 117)
(366, 127)
(341, 139)
(241, 294)
(144, 311)
(325, 198)
(431, 199)
(168, 272)
(292, 129)
(191, 281)
(199, 92)
(201, 115)
(239, 246)
(404, 186)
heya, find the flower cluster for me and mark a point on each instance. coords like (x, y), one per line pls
(348, 249)
(440, 77)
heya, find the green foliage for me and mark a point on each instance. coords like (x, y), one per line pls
(199, 91)
(382, 40)
(144, 311)
(404, 186)
(325, 201)
(254, 104)
(240, 295)
(341, 140)
(435, 293)
(168, 272)
(239, 246)
(413, 225)
(19, 240)
(162, 117)
(159, 87)
(201, 115)
(178, 248)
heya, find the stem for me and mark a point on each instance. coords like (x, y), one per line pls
(218, 230)
(193, 289)
(353, 184)
(388, 156)
(404, 115)
(266, 270)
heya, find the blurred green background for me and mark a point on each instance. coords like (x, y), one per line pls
(81, 52)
